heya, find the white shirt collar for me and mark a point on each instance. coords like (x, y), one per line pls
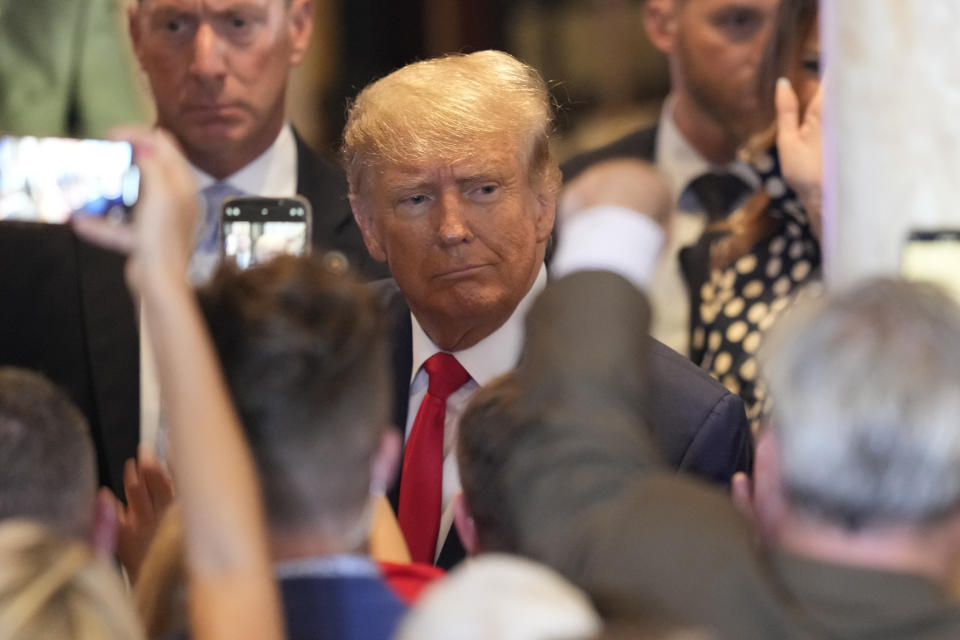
(494, 355)
(333, 566)
(681, 163)
(272, 173)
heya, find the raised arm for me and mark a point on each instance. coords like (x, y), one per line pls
(233, 594)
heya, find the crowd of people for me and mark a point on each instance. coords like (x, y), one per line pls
(503, 398)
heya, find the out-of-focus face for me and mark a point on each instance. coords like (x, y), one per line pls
(718, 47)
(463, 241)
(805, 76)
(218, 70)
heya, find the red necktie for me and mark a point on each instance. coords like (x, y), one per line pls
(421, 482)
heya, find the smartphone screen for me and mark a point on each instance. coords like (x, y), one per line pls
(934, 256)
(254, 230)
(49, 179)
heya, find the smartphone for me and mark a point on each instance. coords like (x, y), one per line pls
(933, 255)
(50, 179)
(254, 229)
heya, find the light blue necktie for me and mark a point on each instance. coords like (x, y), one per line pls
(214, 195)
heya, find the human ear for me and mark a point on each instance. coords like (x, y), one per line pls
(769, 501)
(363, 214)
(301, 29)
(546, 215)
(466, 527)
(383, 468)
(660, 23)
(133, 26)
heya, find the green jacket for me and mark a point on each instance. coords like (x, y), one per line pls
(67, 68)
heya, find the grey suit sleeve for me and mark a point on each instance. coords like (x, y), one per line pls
(723, 445)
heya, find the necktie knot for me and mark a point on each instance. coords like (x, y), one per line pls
(718, 193)
(214, 195)
(446, 375)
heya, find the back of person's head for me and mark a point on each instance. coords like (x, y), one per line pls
(303, 353)
(500, 597)
(440, 110)
(47, 463)
(52, 587)
(866, 405)
(487, 434)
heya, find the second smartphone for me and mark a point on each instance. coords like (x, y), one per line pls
(254, 229)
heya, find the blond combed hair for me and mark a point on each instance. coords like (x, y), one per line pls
(444, 109)
(51, 587)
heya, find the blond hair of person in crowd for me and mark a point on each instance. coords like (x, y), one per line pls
(52, 587)
(502, 597)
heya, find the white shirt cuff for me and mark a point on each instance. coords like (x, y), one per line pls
(609, 238)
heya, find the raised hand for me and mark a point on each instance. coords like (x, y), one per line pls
(149, 491)
(800, 144)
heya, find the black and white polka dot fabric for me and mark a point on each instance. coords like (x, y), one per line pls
(738, 303)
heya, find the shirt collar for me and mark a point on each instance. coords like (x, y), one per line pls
(333, 566)
(494, 355)
(681, 163)
(272, 173)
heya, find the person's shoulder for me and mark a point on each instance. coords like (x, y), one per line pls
(668, 364)
(640, 144)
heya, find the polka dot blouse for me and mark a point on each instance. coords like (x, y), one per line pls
(741, 301)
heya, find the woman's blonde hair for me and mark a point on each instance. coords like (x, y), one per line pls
(51, 587)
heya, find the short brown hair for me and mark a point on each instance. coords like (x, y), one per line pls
(47, 463)
(488, 432)
(303, 352)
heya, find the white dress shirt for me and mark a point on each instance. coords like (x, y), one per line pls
(493, 356)
(680, 163)
(273, 173)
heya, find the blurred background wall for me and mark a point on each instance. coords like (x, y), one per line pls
(606, 77)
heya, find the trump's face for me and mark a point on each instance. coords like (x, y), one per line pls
(464, 241)
(218, 70)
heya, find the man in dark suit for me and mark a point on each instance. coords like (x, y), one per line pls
(713, 48)
(452, 184)
(218, 82)
(858, 507)
(304, 357)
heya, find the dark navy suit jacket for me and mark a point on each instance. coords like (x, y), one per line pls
(698, 425)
